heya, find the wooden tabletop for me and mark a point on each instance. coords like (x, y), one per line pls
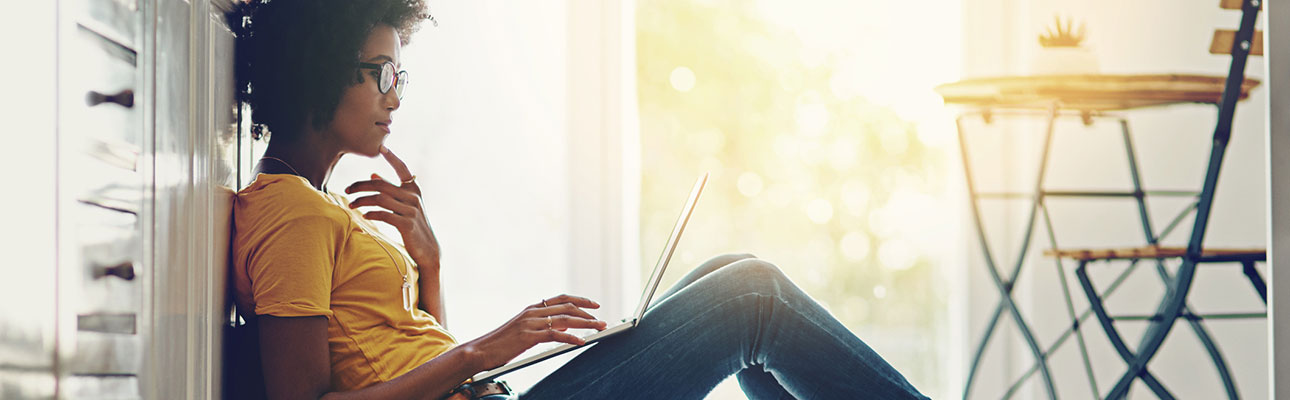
(1147, 252)
(1088, 92)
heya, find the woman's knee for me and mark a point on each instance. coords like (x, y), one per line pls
(723, 260)
(756, 275)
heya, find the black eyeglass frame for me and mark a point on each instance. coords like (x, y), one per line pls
(394, 80)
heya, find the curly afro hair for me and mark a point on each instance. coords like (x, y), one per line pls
(294, 58)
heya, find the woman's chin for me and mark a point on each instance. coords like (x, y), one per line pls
(366, 152)
(373, 150)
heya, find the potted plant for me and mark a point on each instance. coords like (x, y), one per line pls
(1062, 51)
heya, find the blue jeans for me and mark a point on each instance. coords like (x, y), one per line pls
(735, 314)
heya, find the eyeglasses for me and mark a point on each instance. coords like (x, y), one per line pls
(389, 78)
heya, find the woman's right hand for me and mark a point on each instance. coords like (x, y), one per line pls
(539, 323)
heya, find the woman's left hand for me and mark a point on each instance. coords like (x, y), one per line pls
(401, 208)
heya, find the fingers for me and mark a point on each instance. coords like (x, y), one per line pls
(557, 336)
(564, 322)
(376, 184)
(386, 201)
(397, 221)
(561, 309)
(564, 298)
(561, 313)
(400, 167)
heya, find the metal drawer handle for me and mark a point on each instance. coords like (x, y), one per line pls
(123, 270)
(125, 98)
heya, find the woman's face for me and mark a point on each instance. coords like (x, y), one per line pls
(363, 116)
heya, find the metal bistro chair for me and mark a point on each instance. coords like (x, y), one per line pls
(1173, 306)
(1090, 97)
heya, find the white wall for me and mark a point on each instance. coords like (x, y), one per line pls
(27, 291)
(1152, 36)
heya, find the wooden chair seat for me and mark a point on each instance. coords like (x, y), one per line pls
(1146, 252)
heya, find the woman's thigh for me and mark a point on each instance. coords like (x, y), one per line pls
(703, 270)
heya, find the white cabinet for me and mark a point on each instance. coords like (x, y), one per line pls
(144, 159)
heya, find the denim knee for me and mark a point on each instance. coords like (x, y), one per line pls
(723, 260)
(729, 258)
(755, 275)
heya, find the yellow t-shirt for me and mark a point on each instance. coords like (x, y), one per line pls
(301, 252)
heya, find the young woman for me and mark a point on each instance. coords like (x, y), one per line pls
(346, 313)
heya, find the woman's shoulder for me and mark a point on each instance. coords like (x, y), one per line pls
(280, 198)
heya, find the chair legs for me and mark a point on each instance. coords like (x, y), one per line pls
(1207, 340)
(1112, 334)
(1005, 285)
(1256, 280)
(1152, 239)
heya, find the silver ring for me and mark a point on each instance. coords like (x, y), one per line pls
(543, 302)
(410, 180)
(548, 322)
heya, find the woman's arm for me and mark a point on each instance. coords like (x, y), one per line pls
(430, 292)
(297, 365)
(294, 355)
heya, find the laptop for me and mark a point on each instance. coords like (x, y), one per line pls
(626, 324)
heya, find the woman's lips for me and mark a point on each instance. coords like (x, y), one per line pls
(384, 126)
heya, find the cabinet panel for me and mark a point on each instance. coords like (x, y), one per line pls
(109, 256)
(177, 256)
(100, 387)
(104, 354)
(117, 19)
(147, 159)
(100, 122)
(103, 182)
(99, 88)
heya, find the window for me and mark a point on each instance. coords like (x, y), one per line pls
(828, 152)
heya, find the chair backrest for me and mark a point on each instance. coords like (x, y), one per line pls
(1223, 38)
(1240, 47)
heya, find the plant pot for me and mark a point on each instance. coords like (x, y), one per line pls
(1064, 61)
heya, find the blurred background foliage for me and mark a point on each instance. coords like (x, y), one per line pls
(838, 191)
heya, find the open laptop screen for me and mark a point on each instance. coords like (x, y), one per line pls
(663, 259)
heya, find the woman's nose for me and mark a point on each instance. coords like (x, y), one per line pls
(392, 101)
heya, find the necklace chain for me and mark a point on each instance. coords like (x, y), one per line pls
(406, 288)
(293, 169)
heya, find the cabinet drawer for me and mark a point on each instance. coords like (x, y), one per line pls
(111, 152)
(119, 197)
(98, 80)
(120, 20)
(103, 184)
(100, 387)
(109, 249)
(101, 171)
(106, 354)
